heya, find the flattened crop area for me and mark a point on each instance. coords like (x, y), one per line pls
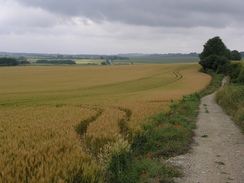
(54, 118)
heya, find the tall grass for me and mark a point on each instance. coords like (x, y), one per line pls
(215, 84)
(231, 98)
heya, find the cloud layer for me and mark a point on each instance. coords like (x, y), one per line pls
(113, 26)
(167, 13)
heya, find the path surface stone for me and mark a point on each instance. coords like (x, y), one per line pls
(217, 154)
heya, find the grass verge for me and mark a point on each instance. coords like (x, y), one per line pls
(231, 99)
(162, 137)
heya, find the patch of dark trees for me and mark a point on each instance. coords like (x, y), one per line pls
(4, 61)
(103, 57)
(69, 62)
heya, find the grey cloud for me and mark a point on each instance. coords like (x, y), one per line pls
(167, 13)
(114, 26)
(16, 18)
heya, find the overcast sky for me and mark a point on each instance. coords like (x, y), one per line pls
(119, 26)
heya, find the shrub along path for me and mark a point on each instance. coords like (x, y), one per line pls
(218, 149)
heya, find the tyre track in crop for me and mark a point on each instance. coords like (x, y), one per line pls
(123, 123)
(178, 76)
(81, 128)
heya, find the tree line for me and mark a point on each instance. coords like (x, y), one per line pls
(69, 62)
(113, 57)
(4, 61)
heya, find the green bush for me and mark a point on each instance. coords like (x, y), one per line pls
(216, 63)
(234, 70)
(240, 78)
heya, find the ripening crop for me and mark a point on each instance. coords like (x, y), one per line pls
(55, 119)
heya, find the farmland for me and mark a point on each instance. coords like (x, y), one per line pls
(45, 110)
(134, 60)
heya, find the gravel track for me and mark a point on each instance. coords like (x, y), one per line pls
(217, 154)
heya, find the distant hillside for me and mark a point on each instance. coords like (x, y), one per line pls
(156, 55)
(93, 56)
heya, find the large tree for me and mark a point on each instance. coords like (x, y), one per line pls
(214, 46)
(215, 55)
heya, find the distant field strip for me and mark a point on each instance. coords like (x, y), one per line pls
(57, 120)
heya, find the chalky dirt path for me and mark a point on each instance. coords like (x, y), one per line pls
(217, 154)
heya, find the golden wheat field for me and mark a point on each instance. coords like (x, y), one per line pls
(56, 119)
